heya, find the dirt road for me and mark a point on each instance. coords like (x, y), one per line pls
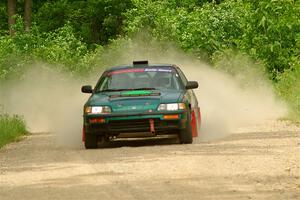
(256, 163)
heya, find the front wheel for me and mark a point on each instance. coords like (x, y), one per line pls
(91, 141)
(186, 134)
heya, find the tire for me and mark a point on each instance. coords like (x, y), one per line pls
(91, 141)
(186, 135)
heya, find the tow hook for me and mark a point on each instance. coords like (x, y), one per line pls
(152, 129)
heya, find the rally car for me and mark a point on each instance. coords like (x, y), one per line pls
(138, 101)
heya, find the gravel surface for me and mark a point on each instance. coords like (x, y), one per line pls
(261, 162)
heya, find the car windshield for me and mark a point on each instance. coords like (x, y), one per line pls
(139, 79)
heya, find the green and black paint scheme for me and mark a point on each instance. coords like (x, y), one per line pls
(140, 100)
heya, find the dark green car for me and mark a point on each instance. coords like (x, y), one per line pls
(141, 100)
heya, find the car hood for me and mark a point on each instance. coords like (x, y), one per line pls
(137, 100)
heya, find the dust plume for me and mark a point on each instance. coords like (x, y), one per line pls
(51, 101)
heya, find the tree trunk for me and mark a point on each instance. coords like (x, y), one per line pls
(27, 14)
(11, 11)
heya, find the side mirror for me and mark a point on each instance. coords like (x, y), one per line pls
(87, 89)
(191, 85)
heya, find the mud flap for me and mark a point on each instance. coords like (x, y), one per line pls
(194, 124)
(199, 119)
(83, 134)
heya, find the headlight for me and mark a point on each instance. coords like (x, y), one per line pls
(97, 110)
(171, 106)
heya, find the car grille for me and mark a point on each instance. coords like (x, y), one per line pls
(141, 125)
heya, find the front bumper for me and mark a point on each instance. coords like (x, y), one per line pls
(118, 124)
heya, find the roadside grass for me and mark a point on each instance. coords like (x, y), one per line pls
(11, 128)
(288, 89)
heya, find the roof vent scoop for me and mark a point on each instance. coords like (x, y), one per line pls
(140, 62)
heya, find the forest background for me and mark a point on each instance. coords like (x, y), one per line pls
(73, 36)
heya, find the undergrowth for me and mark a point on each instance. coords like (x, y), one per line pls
(11, 128)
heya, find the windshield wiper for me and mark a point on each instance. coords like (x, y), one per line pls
(128, 89)
(114, 90)
(144, 88)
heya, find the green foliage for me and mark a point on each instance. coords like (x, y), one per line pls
(60, 48)
(288, 88)
(270, 32)
(93, 20)
(265, 30)
(210, 28)
(203, 30)
(3, 18)
(11, 128)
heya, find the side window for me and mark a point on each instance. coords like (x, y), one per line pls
(182, 76)
(176, 82)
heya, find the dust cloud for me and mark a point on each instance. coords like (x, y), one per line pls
(52, 101)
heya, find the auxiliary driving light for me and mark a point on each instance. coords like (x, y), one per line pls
(96, 120)
(171, 116)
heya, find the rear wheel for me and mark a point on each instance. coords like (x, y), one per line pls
(91, 141)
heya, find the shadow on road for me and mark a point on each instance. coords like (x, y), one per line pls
(142, 142)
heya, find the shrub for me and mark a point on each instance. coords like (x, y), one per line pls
(11, 128)
(288, 88)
